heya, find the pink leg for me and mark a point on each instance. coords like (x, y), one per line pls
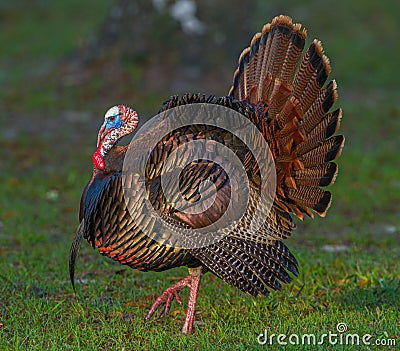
(194, 289)
(167, 297)
(192, 280)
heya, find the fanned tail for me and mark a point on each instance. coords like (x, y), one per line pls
(273, 54)
(290, 91)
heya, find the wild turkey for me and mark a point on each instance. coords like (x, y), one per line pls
(284, 95)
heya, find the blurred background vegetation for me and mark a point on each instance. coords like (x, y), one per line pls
(63, 63)
(85, 53)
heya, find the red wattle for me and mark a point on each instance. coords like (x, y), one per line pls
(97, 160)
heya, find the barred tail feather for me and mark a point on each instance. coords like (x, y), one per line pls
(291, 89)
(323, 174)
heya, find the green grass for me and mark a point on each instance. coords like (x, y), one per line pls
(44, 167)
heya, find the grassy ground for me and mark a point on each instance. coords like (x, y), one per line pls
(45, 162)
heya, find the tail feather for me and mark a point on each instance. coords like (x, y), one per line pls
(313, 71)
(324, 130)
(317, 80)
(280, 38)
(280, 57)
(243, 72)
(253, 60)
(264, 80)
(294, 51)
(290, 89)
(260, 55)
(325, 152)
(234, 91)
(314, 68)
(321, 105)
(312, 197)
(322, 175)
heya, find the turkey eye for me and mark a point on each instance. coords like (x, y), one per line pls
(111, 119)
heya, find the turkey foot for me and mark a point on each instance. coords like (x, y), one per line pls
(193, 281)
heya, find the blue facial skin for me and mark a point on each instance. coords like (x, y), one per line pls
(114, 122)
